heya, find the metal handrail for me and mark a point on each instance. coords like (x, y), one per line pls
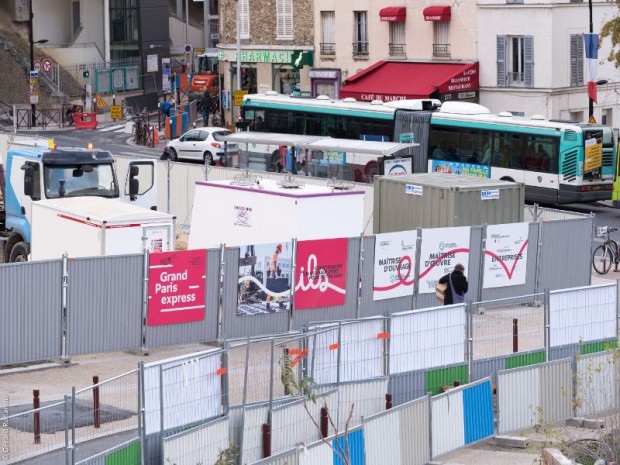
(441, 50)
(397, 49)
(360, 48)
(328, 48)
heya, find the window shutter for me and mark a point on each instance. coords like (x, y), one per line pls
(397, 33)
(576, 60)
(528, 68)
(244, 30)
(329, 20)
(501, 61)
(284, 19)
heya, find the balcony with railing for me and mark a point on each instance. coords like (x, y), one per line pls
(515, 79)
(397, 50)
(328, 49)
(360, 49)
(441, 50)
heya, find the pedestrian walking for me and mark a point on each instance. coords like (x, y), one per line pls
(206, 107)
(456, 286)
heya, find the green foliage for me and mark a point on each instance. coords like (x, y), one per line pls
(611, 30)
(305, 387)
(227, 456)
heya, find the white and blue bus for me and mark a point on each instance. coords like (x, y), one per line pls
(557, 161)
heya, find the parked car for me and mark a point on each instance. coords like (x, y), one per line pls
(201, 144)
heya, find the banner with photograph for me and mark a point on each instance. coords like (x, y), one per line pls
(394, 264)
(440, 251)
(264, 284)
(321, 273)
(505, 257)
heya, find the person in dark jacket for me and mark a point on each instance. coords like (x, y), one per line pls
(457, 285)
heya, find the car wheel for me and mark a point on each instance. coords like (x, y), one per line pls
(173, 155)
(208, 159)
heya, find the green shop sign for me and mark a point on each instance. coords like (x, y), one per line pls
(296, 57)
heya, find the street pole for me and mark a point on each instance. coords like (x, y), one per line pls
(590, 101)
(238, 45)
(33, 106)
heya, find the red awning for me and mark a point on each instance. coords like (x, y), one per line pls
(390, 80)
(393, 13)
(437, 13)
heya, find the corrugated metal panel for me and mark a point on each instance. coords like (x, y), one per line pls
(98, 459)
(127, 453)
(556, 391)
(427, 338)
(596, 384)
(356, 448)
(446, 201)
(559, 353)
(478, 412)
(290, 425)
(30, 304)
(379, 432)
(406, 387)
(347, 311)
(415, 431)
(289, 457)
(523, 360)
(368, 307)
(487, 367)
(568, 307)
(322, 361)
(558, 237)
(518, 398)
(235, 423)
(447, 423)
(198, 445)
(368, 396)
(436, 379)
(529, 287)
(252, 447)
(234, 325)
(534, 213)
(316, 454)
(199, 331)
(599, 346)
(104, 300)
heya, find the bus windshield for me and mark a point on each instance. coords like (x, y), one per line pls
(80, 180)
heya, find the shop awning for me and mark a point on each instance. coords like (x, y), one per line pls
(393, 13)
(391, 80)
(437, 13)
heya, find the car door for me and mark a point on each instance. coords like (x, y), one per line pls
(147, 179)
(186, 145)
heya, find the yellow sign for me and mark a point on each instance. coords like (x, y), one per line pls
(593, 156)
(238, 97)
(116, 112)
(100, 102)
(592, 120)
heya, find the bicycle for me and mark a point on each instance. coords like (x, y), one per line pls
(606, 254)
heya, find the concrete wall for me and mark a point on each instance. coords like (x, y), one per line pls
(52, 20)
(177, 33)
(91, 18)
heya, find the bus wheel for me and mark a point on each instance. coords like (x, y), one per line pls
(507, 178)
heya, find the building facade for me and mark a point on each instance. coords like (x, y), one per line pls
(532, 59)
(277, 44)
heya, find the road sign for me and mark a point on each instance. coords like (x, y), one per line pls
(238, 97)
(100, 102)
(116, 112)
(34, 74)
(47, 66)
(37, 66)
(592, 120)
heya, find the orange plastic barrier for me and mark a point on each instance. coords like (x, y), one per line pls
(85, 120)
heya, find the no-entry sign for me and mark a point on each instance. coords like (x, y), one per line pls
(176, 287)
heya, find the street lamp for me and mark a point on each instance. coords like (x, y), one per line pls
(32, 42)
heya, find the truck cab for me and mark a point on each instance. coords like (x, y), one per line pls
(36, 173)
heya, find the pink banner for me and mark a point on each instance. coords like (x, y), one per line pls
(177, 287)
(321, 273)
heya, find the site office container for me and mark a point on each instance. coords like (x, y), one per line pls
(265, 211)
(93, 226)
(439, 200)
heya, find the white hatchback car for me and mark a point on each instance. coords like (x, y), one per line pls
(201, 144)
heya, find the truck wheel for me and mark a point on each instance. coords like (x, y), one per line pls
(19, 253)
(208, 158)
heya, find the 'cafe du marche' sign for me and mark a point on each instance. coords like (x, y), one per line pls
(258, 56)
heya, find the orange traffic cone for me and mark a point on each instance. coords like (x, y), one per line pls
(155, 136)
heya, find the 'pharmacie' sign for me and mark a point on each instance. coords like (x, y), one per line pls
(258, 56)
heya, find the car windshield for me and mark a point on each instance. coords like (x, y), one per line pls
(217, 135)
(80, 180)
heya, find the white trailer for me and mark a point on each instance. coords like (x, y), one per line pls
(94, 226)
(234, 213)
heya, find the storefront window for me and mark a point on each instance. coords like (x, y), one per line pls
(286, 80)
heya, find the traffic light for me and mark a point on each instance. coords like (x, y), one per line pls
(245, 79)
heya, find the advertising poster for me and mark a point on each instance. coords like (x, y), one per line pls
(440, 251)
(264, 278)
(394, 265)
(398, 166)
(468, 169)
(321, 279)
(593, 155)
(505, 258)
(165, 75)
(176, 287)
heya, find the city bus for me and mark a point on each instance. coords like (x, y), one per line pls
(557, 161)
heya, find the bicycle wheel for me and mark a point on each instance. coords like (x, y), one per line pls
(602, 259)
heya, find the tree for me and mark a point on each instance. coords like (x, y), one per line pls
(611, 30)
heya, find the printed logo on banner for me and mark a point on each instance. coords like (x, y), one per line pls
(440, 251)
(414, 190)
(489, 194)
(505, 259)
(322, 276)
(264, 284)
(243, 216)
(176, 287)
(395, 255)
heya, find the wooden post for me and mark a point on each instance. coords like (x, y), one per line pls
(515, 335)
(96, 409)
(36, 403)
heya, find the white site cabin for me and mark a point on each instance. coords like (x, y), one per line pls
(262, 212)
(94, 226)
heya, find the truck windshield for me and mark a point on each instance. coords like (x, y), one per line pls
(80, 180)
